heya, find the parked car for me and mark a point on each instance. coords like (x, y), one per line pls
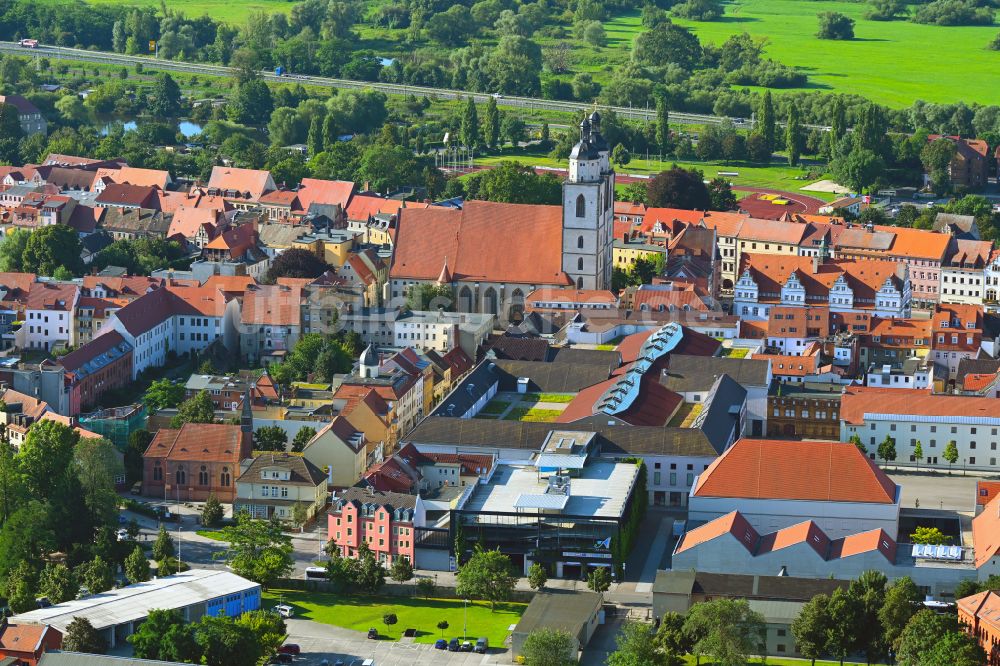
(43, 602)
(440, 644)
(284, 610)
(482, 645)
(373, 633)
(454, 645)
(136, 488)
(290, 648)
(282, 658)
(122, 535)
(466, 646)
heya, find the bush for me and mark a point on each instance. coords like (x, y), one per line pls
(954, 12)
(834, 25)
(698, 10)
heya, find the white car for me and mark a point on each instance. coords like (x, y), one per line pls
(284, 610)
(122, 535)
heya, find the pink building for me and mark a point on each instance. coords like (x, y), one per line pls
(386, 521)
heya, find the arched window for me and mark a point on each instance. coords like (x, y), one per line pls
(225, 480)
(579, 242)
(203, 476)
(157, 471)
(581, 206)
(579, 283)
(579, 264)
(180, 476)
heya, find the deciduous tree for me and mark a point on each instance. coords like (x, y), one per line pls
(81, 636)
(678, 188)
(196, 409)
(258, 549)
(727, 629)
(486, 575)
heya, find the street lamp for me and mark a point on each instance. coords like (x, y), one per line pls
(465, 628)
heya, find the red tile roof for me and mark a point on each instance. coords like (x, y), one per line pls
(52, 296)
(121, 194)
(252, 182)
(272, 305)
(187, 221)
(668, 299)
(495, 242)
(857, 400)
(136, 176)
(986, 533)
(201, 442)
(550, 295)
(979, 381)
(985, 606)
(25, 638)
(732, 523)
(864, 542)
(316, 190)
(811, 471)
(806, 532)
(864, 276)
(986, 491)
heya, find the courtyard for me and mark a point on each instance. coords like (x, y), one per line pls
(537, 407)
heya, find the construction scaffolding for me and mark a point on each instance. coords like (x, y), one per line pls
(116, 423)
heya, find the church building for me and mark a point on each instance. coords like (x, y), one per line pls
(492, 255)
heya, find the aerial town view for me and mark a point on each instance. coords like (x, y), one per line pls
(478, 332)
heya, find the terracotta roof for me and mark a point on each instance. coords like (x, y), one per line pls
(968, 148)
(201, 442)
(986, 533)
(136, 176)
(187, 221)
(916, 243)
(230, 283)
(668, 299)
(362, 207)
(367, 397)
(100, 306)
(393, 475)
(196, 198)
(272, 305)
(458, 360)
(905, 329)
(860, 399)
(149, 310)
(797, 322)
(252, 182)
(31, 407)
(236, 240)
(126, 285)
(807, 532)
(732, 523)
(979, 381)
(985, 606)
(864, 542)
(22, 637)
(52, 296)
(85, 218)
(343, 430)
(986, 491)
(773, 231)
(17, 281)
(316, 190)
(280, 198)
(548, 294)
(630, 208)
(790, 365)
(482, 241)
(812, 471)
(121, 194)
(969, 253)
(864, 276)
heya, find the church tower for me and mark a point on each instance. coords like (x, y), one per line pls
(588, 209)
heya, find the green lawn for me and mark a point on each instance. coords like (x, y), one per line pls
(532, 414)
(494, 407)
(360, 613)
(893, 62)
(735, 352)
(215, 535)
(549, 397)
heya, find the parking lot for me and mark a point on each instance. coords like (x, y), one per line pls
(321, 641)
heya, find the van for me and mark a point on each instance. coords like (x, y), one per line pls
(316, 573)
(482, 645)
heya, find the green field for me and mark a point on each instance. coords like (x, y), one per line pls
(361, 613)
(533, 415)
(548, 397)
(894, 62)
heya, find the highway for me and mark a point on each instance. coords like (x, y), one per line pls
(103, 57)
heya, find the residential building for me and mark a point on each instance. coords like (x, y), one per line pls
(893, 342)
(31, 119)
(49, 315)
(970, 166)
(963, 271)
(570, 299)
(275, 482)
(242, 188)
(24, 644)
(806, 409)
(913, 373)
(197, 460)
(442, 331)
(339, 449)
(957, 333)
(978, 616)
(99, 366)
(909, 416)
(270, 322)
(387, 522)
(91, 315)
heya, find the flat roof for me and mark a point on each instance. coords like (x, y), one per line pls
(531, 501)
(134, 602)
(567, 610)
(560, 461)
(601, 489)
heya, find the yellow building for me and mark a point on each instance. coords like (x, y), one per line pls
(332, 246)
(624, 253)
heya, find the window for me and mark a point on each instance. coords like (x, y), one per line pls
(157, 472)
(579, 264)
(203, 476)
(225, 479)
(581, 206)
(180, 476)
(579, 242)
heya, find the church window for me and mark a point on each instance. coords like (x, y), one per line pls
(180, 476)
(225, 480)
(203, 476)
(581, 206)
(579, 283)
(579, 264)
(157, 472)
(579, 242)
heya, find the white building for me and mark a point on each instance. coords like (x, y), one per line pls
(48, 315)
(442, 331)
(910, 417)
(916, 373)
(963, 271)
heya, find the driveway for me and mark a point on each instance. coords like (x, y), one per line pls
(322, 641)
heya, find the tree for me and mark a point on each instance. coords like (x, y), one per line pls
(491, 124)
(469, 131)
(251, 103)
(51, 247)
(936, 158)
(137, 566)
(258, 549)
(887, 449)
(634, 192)
(225, 642)
(929, 535)
(369, 574)
(512, 182)
(921, 634)
(401, 569)
(620, 155)
(389, 619)
(537, 576)
(858, 169)
(315, 137)
(443, 626)
(918, 451)
(196, 409)
(767, 122)
(270, 438)
(887, 10)
(897, 609)
(667, 43)
(20, 589)
(966, 588)
(12, 250)
(163, 394)
(340, 571)
(950, 454)
(721, 195)
(845, 614)
(678, 188)
(163, 547)
(726, 629)
(81, 636)
(426, 587)
(955, 648)
(297, 263)
(97, 463)
(166, 97)
(513, 130)
(662, 125)
(57, 583)
(599, 579)
(97, 575)
(212, 513)
(868, 590)
(811, 627)
(267, 627)
(165, 635)
(486, 575)
(549, 647)
(636, 646)
(793, 135)
(302, 437)
(834, 25)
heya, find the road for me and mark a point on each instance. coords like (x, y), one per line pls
(647, 114)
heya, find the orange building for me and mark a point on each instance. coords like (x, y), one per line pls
(979, 615)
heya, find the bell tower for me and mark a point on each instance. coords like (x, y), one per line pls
(588, 209)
